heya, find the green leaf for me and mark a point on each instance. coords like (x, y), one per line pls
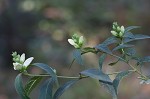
(145, 59)
(63, 88)
(46, 89)
(19, 87)
(130, 51)
(110, 89)
(128, 35)
(118, 78)
(32, 83)
(96, 74)
(101, 60)
(136, 37)
(110, 40)
(130, 28)
(48, 69)
(77, 56)
(121, 46)
(104, 48)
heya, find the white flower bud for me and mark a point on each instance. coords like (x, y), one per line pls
(145, 82)
(114, 27)
(81, 40)
(71, 42)
(118, 28)
(122, 29)
(120, 34)
(114, 33)
(22, 58)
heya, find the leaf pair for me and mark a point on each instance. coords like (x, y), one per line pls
(19, 87)
(112, 88)
(128, 36)
(104, 46)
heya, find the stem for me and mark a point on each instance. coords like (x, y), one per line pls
(71, 63)
(68, 77)
(134, 69)
(138, 72)
(114, 73)
(47, 75)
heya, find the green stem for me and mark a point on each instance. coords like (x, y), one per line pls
(138, 72)
(47, 75)
(134, 68)
(67, 77)
(114, 73)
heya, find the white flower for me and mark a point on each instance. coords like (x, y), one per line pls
(76, 41)
(21, 63)
(145, 82)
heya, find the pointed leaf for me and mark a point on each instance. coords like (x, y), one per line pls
(110, 40)
(103, 48)
(101, 60)
(145, 59)
(77, 56)
(46, 89)
(130, 51)
(128, 35)
(141, 36)
(48, 69)
(136, 37)
(119, 78)
(96, 74)
(19, 87)
(130, 28)
(110, 89)
(63, 88)
(32, 83)
(121, 46)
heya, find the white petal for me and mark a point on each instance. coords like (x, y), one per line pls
(114, 33)
(122, 29)
(17, 66)
(22, 58)
(148, 81)
(81, 40)
(71, 41)
(28, 61)
(142, 82)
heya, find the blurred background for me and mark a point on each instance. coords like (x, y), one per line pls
(40, 28)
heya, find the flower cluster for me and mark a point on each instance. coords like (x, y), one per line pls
(117, 30)
(145, 81)
(19, 61)
(77, 41)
